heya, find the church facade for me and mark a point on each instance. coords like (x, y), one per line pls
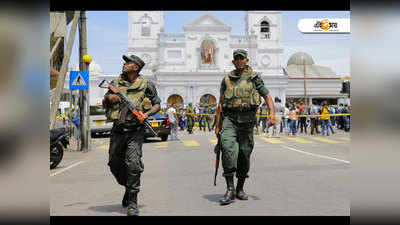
(189, 66)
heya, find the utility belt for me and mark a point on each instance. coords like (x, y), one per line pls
(124, 128)
(241, 115)
(240, 110)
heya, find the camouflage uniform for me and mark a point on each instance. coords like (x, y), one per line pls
(241, 99)
(127, 133)
(190, 119)
(239, 119)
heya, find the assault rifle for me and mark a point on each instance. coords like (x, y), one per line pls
(217, 150)
(125, 101)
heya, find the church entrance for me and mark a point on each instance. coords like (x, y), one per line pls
(208, 100)
(177, 99)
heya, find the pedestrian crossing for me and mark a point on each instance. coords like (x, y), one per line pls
(260, 141)
(191, 143)
(300, 140)
(326, 140)
(272, 140)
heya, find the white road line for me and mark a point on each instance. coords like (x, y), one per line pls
(69, 167)
(321, 156)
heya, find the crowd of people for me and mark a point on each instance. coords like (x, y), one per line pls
(201, 117)
(291, 119)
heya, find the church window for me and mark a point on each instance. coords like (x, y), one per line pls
(264, 27)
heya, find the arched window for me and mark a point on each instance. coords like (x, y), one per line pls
(264, 27)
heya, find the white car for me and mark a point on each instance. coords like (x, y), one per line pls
(98, 124)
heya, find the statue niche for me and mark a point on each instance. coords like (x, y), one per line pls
(208, 53)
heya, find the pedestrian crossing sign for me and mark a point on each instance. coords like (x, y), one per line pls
(79, 80)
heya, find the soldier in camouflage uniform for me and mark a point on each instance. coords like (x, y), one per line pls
(190, 118)
(236, 117)
(128, 133)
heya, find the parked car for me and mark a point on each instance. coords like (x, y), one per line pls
(98, 119)
(161, 125)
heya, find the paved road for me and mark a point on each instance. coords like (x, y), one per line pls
(305, 175)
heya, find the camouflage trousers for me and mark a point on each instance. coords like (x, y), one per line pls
(237, 144)
(125, 157)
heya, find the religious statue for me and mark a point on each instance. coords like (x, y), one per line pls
(208, 52)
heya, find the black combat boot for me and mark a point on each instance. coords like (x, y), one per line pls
(229, 196)
(239, 190)
(133, 209)
(125, 199)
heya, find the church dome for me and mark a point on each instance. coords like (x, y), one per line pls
(300, 58)
(94, 68)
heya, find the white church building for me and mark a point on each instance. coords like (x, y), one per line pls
(189, 66)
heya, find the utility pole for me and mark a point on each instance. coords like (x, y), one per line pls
(83, 103)
(55, 101)
(305, 90)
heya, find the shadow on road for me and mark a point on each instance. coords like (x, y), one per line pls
(213, 198)
(216, 197)
(152, 140)
(111, 208)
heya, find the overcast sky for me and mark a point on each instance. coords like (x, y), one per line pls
(107, 37)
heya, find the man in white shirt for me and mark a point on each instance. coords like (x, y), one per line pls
(272, 130)
(173, 118)
(286, 118)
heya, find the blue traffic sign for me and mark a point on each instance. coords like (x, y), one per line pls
(79, 80)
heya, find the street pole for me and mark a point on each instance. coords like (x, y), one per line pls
(305, 90)
(55, 101)
(83, 104)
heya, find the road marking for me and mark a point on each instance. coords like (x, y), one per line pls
(300, 140)
(321, 156)
(191, 143)
(321, 139)
(69, 167)
(272, 140)
(163, 144)
(214, 141)
(104, 147)
(345, 138)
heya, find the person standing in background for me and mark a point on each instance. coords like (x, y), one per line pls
(325, 118)
(173, 118)
(278, 116)
(314, 119)
(263, 113)
(286, 118)
(303, 111)
(293, 120)
(190, 118)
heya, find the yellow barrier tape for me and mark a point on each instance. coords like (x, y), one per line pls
(67, 113)
(201, 114)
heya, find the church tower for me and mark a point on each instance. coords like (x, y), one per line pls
(266, 26)
(144, 27)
